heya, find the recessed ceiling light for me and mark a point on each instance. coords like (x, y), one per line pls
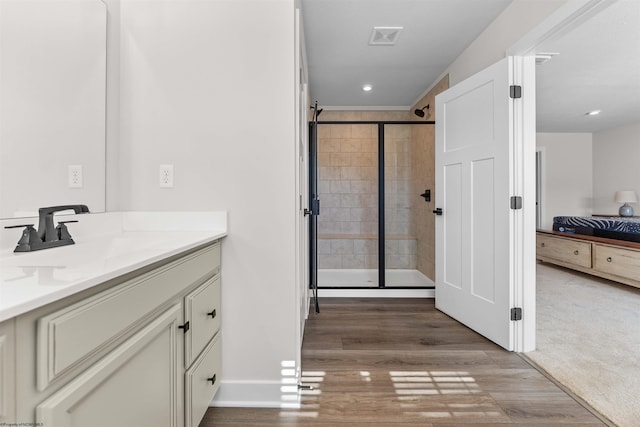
(367, 88)
(593, 113)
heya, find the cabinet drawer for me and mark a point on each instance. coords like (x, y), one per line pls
(75, 333)
(621, 262)
(202, 311)
(565, 250)
(202, 382)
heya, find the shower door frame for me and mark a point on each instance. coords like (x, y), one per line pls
(313, 184)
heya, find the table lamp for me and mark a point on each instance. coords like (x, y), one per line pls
(626, 197)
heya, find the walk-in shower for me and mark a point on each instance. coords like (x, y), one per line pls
(375, 227)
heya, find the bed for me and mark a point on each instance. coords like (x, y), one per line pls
(611, 227)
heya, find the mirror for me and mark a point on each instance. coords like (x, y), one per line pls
(52, 105)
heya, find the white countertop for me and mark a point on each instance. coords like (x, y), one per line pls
(107, 246)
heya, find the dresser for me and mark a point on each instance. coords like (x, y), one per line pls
(611, 259)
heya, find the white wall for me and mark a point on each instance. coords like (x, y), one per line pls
(209, 87)
(520, 17)
(566, 175)
(616, 166)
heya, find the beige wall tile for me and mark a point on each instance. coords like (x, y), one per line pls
(329, 261)
(337, 214)
(365, 246)
(328, 173)
(328, 145)
(342, 246)
(364, 131)
(362, 187)
(340, 159)
(324, 246)
(364, 214)
(340, 131)
(364, 159)
(350, 145)
(351, 173)
(340, 187)
(353, 261)
(329, 201)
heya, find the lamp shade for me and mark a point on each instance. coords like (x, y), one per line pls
(626, 196)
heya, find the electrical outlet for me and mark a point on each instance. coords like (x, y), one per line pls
(75, 176)
(166, 176)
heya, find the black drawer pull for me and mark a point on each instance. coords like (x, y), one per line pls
(184, 327)
(213, 314)
(609, 259)
(212, 379)
(576, 252)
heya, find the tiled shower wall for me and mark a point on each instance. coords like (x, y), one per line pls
(348, 191)
(422, 178)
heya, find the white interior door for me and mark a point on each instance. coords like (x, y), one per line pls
(474, 183)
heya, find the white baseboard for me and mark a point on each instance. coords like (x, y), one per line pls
(256, 394)
(377, 293)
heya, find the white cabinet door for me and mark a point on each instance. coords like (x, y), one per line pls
(7, 372)
(138, 384)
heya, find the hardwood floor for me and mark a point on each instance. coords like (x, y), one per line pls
(395, 362)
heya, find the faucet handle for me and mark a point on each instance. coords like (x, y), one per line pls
(62, 232)
(28, 238)
(18, 226)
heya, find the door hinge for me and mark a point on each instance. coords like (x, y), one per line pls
(516, 313)
(516, 202)
(515, 91)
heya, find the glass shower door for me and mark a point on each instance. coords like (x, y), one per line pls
(348, 189)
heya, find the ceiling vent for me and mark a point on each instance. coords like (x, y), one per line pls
(384, 36)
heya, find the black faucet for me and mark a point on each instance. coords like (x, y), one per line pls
(47, 236)
(46, 232)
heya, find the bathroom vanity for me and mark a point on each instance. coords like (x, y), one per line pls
(121, 330)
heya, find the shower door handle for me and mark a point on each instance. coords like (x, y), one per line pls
(437, 211)
(315, 208)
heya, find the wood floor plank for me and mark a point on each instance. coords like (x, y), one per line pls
(400, 362)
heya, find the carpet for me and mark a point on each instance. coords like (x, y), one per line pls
(588, 338)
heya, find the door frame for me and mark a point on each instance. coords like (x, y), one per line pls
(565, 19)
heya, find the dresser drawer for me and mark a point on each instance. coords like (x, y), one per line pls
(565, 250)
(621, 262)
(75, 333)
(202, 311)
(201, 382)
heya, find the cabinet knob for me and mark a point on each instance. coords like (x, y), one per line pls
(213, 314)
(576, 252)
(609, 259)
(542, 244)
(212, 379)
